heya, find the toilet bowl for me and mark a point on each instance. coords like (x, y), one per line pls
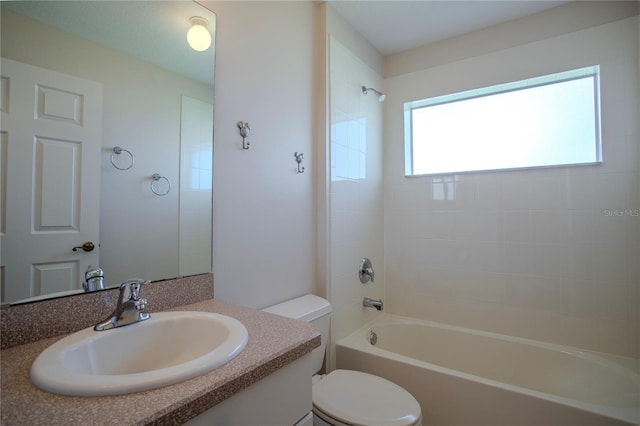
(346, 397)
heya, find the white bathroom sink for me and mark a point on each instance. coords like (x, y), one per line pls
(168, 348)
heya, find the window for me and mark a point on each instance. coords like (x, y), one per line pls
(552, 120)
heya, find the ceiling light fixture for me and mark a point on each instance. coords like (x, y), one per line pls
(198, 36)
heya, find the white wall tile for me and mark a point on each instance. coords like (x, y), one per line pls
(517, 226)
(548, 260)
(357, 190)
(550, 226)
(550, 254)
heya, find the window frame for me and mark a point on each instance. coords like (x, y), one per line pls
(556, 78)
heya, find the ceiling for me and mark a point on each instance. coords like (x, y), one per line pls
(153, 31)
(393, 26)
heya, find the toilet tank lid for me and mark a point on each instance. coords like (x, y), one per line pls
(306, 308)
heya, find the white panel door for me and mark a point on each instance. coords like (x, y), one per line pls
(52, 123)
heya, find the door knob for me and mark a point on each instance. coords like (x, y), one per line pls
(88, 246)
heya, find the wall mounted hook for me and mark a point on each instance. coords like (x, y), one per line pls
(245, 128)
(299, 157)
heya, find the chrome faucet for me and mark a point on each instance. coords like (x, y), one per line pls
(372, 303)
(93, 279)
(365, 271)
(129, 308)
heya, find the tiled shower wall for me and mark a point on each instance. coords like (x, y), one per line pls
(549, 254)
(356, 210)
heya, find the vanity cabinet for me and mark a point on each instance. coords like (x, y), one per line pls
(269, 383)
(282, 398)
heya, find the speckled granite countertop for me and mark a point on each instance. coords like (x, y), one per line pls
(273, 343)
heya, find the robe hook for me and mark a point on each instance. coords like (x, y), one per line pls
(299, 157)
(245, 128)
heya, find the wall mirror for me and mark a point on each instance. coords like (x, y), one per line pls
(98, 98)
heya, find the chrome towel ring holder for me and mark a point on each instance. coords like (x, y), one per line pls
(117, 151)
(155, 178)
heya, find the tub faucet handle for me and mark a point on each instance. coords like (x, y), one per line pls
(366, 272)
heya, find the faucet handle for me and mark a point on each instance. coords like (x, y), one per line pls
(365, 272)
(371, 273)
(129, 289)
(140, 303)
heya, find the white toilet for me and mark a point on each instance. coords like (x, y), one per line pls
(345, 397)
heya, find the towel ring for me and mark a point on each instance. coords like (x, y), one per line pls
(117, 151)
(155, 178)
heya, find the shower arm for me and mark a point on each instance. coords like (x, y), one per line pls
(381, 96)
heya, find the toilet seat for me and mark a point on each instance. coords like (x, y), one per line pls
(361, 399)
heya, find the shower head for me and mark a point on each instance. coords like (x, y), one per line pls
(379, 94)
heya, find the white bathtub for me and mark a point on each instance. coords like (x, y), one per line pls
(467, 377)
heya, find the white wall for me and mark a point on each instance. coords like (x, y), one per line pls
(538, 253)
(264, 229)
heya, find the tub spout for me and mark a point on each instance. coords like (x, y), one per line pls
(372, 303)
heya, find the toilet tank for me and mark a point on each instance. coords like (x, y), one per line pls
(313, 309)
